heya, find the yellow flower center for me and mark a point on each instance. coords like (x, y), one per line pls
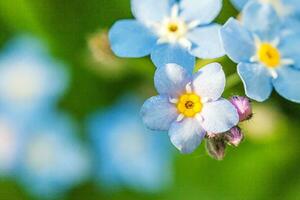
(189, 105)
(269, 55)
(173, 27)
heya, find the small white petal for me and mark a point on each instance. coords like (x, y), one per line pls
(199, 117)
(175, 11)
(173, 100)
(180, 118)
(273, 73)
(275, 42)
(185, 43)
(193, 24)
(254, 59)
(205, 99)
(188, 88)
(162, 40)
(257, 41)
(287, 61)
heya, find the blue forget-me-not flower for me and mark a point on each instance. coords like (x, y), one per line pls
(126, 154)
(267, 56)
(30, 79)
(171, 31)
(52, 160)
(188, 106)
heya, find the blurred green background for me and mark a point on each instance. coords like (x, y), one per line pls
(265, 166)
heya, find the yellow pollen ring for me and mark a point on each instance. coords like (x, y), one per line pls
(269, 55)
(189, 105)
(173, 27)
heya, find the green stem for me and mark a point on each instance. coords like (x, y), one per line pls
(232, 81)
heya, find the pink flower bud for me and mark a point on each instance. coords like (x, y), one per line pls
(234, 136)
(243, 106)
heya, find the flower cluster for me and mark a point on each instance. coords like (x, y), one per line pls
(189, 105)
(37, 143)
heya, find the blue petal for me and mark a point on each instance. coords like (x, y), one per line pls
(171, 53)
(158, 113)
(262, 19)
(207, 42)
(151, 10)
(210, 81)
(293, 5)
(289, 48)
(291, 25)
(171, 80)
(186, 135)
(219, 116)
(287, 83)
(202, 11)
(129, 38)
(257, 81)
(237, 41)
(239, 4)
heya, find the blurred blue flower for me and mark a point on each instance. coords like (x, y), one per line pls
(283, 8)
(171, 31)
(189, 107)
(53, 160)
(126, 153)
(267, 56)
(11, 143)
(30, 80)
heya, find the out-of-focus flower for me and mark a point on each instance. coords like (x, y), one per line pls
(30, 79)
(283, 8)
(216, 146)
(267, 56)
(243, 106)
(11, 141)
(171, 31)
(126, 153)
(188, 107)
(52, 160)
(234, 136)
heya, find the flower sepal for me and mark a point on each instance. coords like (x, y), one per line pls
(216, 146)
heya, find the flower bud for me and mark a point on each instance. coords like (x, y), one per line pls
(215, 147)
(101, 51)
(243, 106)
(234, 137)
